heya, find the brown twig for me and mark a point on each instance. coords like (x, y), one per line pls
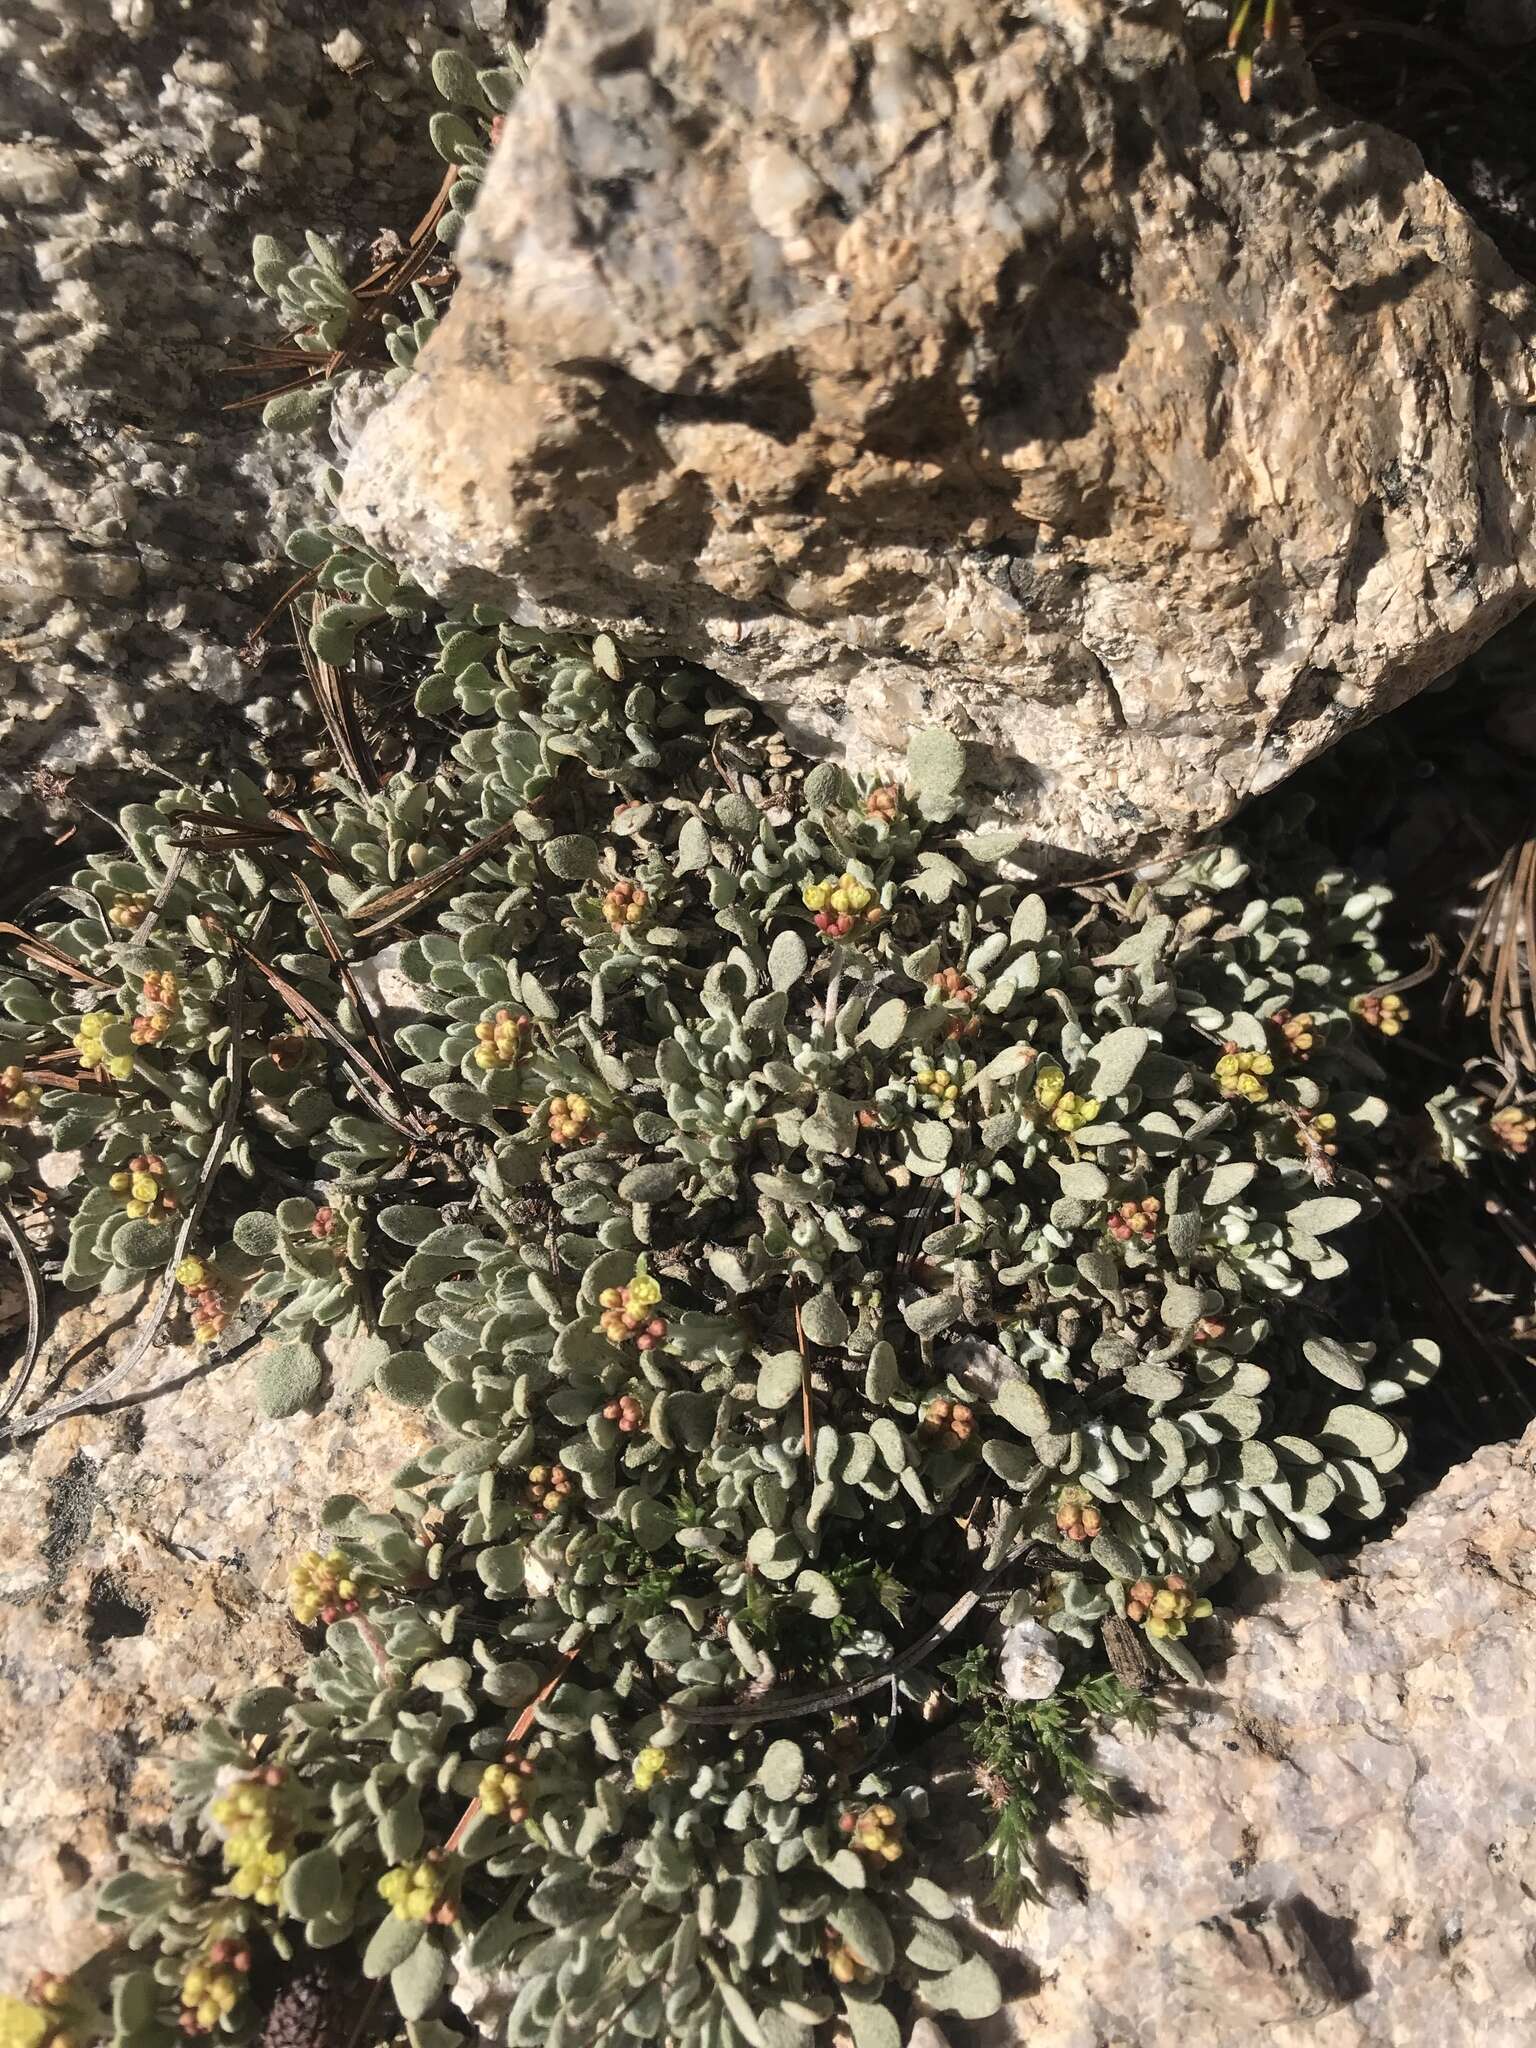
(1511, 1229)
(1496, 967)
(383, 911)
(219, 832)
(1406, 31)
(337, 702)
(42, 954)
(295, 588)
(807, 1411)
(31, 1280)
(151, 917)
(1451, 1305)
(1433, 957)
(376, 1649)
(370, 1081)
(365, 2013)
(372, 296)
(515, 1733)
(792, 1706)
(383, 1051)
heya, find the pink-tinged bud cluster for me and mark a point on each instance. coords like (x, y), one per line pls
(1386, 1014)
(571, 1120)
(501, 1040)
(1077, 1518)
(839, 904)
(623, 905)
(1135, 1219)
(159, 1003)
(214, 1986)
(629, 1312)
(127, 913)
(874, 1832)
(1512, 1129)
(506, 1788)
(949, 1425)
(546, 1489)
(1299, 1032)
(627, 1412)
(1164, 1609)
(203, 1299)
(325, 1589)
(142, 1186)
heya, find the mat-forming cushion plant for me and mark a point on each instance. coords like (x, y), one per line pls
(785, 1215)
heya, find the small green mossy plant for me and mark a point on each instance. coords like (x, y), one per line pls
(1030, 1754)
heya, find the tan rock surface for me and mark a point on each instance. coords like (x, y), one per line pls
(976, 365)
(143, 1559)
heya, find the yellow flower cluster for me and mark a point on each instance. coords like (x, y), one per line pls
(1165, 1610)
(649, 1767)
(1243, 1074)
(43, 2018)
(500, 1040)
(627, 1311)
(250, 1815)
(214, 1986)
(838, 903)
(845, 1966)
(1076, 1516)
(1386, 1014)
(1073, 1111)
(874, 1832)
(415, 1891)
(93, 1053)
(1513, 1129)
(17, 1100)
(624, 904)
(570, 1120)
(1299, 1031)
(323, 1588)
(141, 1185)
(127, 913)
(24, 2026)
(204, 1300)
(939, 1085)
(158, 1005)
(1067, 1111)
(505, 1788)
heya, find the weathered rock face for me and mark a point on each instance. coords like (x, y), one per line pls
(142, 144)
(143, 1559)
(980, 365)
(1334, 1845)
